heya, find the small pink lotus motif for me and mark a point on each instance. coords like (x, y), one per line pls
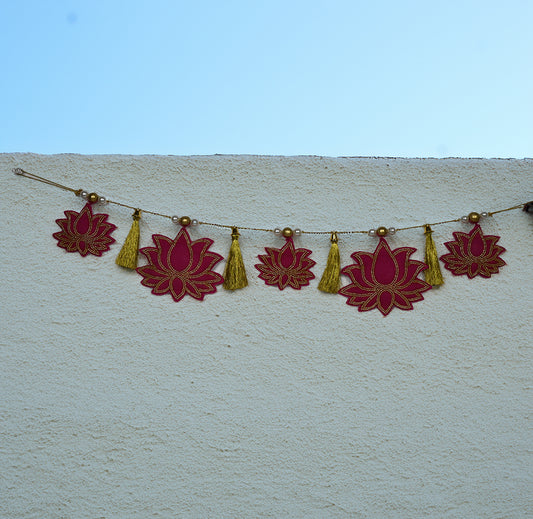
(85, 232)
(473, 254)
(180, 266)
(286, 266)
(384, 279)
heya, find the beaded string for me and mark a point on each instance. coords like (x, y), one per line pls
(185, 220)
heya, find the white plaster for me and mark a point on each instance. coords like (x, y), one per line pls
(261, 403)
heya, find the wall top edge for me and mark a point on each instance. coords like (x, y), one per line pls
(243, 156)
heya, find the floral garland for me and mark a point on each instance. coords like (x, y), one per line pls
(383, 279)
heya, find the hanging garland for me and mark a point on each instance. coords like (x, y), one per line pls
(383, 279)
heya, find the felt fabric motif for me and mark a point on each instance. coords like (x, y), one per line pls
(384, 279)
(286, 267)
(473, 254)
(180, 267)
(84, 232)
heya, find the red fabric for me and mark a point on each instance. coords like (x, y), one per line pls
(85, 232)
(285, 267)
(180, 267)
(473, 254)
(384, 279)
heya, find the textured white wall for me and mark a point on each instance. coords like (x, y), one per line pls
(261, 403)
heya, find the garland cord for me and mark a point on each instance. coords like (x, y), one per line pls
(77, 192)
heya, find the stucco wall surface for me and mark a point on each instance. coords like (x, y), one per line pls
(261, 403)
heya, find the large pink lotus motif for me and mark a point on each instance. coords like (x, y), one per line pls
(473, 254)
(180, 267)
(384, 279)
(286, 267)
(84, 232)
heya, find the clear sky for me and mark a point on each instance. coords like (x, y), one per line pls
(336, 77)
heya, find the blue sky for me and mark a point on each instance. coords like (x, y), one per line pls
(337, 78)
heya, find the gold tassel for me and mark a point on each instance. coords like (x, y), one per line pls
(331, 279)
(127, 257)
(235, 273)
(432, 274)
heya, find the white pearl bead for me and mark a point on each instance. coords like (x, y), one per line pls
(297, 232)
(464, 219)
(84, 194)
(102, 200)
(372, 232)
(484, 214)
(194, 221)
(277, 231)
(392, 230)
(175, 219)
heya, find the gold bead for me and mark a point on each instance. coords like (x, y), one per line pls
(185, 220)
(382, 231)
(474, 217)
(93, 198)
(287, 232)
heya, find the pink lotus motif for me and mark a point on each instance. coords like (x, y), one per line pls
(84, 232)
(180, 266)
(287, 266)
(384, 279)
(473, 254)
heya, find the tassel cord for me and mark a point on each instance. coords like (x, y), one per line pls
(77, 192)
